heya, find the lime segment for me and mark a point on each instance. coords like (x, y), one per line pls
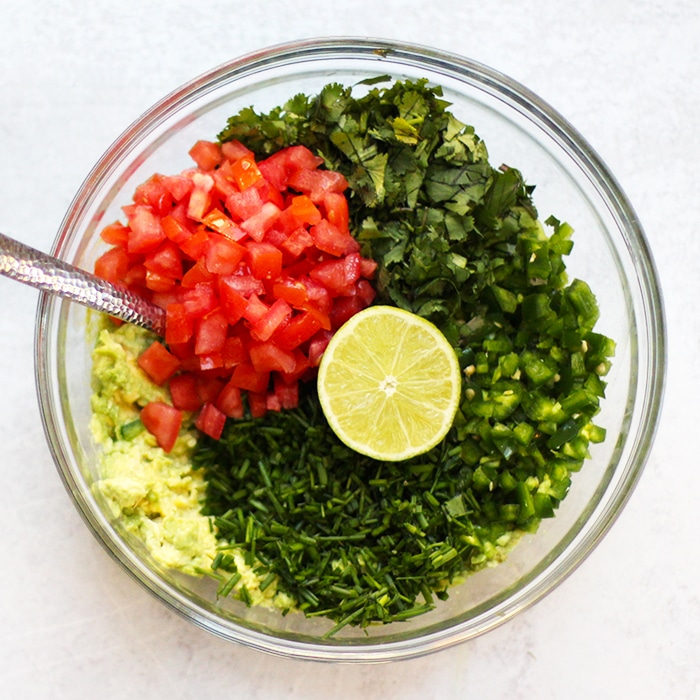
(389, 384)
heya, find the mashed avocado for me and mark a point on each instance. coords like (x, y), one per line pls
(154, 495)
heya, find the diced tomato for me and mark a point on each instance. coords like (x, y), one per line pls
(222, 256)
(299, 329)
(197, 274)
(304, 210)
(243, 205)
(269, 357)
(317, 346)
(286, 392)
(208, 388)
(298, 241)
(245, 376)
(163, 422)
(330, 239)
(158, 363)
(199, 197)
(157, 282)
(200, 300)
(206, 154)
(255, 308)
(256, 226)
(245, 171)
(230, 402)
(233, 150)
(195, 244)
(179, 186)
(335, 206)
(219, 222)
(166, 260)
(265, 260)
(257, 403)
(318, 183)
(154, 194)
(146, 231)
(275, 317)
(211, 333)
(293, 291)
(174, 230)
(115, 234)
(338, 276)
(234, 351)
(255, 267)
(183, 391)
(113, 265)
(211, 421)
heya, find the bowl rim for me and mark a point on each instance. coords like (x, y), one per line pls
(496, 84)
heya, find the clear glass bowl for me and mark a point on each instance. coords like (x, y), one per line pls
(572, 183)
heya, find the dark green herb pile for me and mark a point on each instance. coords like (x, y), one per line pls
(458, 242)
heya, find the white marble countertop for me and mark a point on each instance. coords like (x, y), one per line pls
(626, 624)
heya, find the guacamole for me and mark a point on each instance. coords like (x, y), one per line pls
(154, 495)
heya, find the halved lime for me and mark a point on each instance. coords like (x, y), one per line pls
(389, 383)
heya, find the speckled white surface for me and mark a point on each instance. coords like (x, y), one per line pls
(626, 73)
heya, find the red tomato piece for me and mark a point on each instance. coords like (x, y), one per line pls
(200, 300)
(338, 276)
(222, 256)
(219, 222)
(183, 391)
(245, 376)
(257, 403)
(317, 346)
(287, 393)
(265, 260)
(233, 303)
(163, 422)
(330, 239)
(193, 246)
(275, 169)
(174, 230)
(166, 260)
(257, 225)
(234, 351)
(157, 282)
(255, 308)
(297, 242)
(206, 154)
(115, 234)
(230, 401)
(199, 197)
(208, 388)
(211, 421)
(146, 231)
(179, 186)
(335, 206)
(269, 357)
(245, 172)
(274, 318)
(233, 150)
(158, 363)
(304, 210)
(293, 291)
(243, 205)
(299, 329)
(154, 194)
(344, 308)
(317, 183)
(113, 265)
(197, 274)
(211, 333)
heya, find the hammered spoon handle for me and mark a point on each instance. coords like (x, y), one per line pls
(41, 271)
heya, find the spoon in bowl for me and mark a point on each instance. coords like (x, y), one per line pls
(47, 273)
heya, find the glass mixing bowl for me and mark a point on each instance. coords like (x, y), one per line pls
(572, 183)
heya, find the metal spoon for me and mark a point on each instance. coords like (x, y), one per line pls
(24, 264)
